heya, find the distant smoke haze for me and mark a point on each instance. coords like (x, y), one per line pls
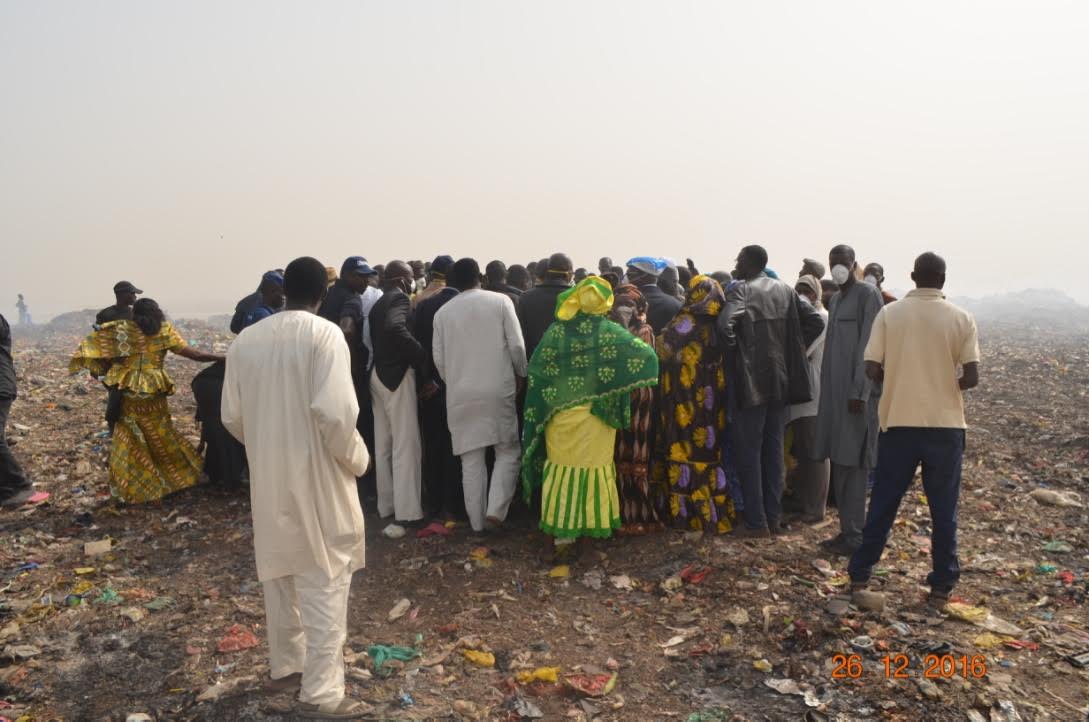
(188, 147)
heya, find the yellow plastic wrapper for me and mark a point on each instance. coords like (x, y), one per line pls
(966, 612)
(482, 659)
(989, 641)
(560, 572)
(541, 674)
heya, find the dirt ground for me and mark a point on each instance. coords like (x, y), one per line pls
(696, 628)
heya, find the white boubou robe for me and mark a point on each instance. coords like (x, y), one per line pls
(478, 349)
(288, 396)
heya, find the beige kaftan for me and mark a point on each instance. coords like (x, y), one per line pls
(288, 396)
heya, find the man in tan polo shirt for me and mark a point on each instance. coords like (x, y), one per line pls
(917, 347)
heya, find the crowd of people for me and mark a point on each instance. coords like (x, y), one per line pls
(630, 400)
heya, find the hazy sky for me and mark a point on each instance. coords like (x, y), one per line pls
(189, 146)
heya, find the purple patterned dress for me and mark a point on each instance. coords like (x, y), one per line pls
(697, 486)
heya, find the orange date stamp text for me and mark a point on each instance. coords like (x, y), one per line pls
(899, 666)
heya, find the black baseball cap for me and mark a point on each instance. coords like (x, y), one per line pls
(442, 265)
(125, 287)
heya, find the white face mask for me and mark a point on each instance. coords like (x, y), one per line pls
(872, 280)
(840, 274)
(412, 287)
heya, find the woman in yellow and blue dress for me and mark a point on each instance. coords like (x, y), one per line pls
(148, 457)
(581, 378)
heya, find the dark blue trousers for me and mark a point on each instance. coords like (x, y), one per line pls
(756, 436)
(900, 450)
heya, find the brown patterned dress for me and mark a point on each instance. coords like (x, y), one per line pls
(633, 445)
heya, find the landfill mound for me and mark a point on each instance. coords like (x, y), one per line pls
(154, 612)
(73, 321)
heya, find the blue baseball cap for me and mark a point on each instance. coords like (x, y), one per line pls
(357, 264)
(274, 277)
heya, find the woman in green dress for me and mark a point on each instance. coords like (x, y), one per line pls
(581, 378)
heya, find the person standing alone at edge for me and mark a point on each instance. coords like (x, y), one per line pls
(399, 361)
(766, 328)
(288, 397)
(480, 354)
(916, 347)
(847, 414)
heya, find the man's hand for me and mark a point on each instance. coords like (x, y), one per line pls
(875, 371)
(519, 384)
(430, 389)
(856, 406)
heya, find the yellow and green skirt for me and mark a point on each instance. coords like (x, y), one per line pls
(579, 495)
(148, 457)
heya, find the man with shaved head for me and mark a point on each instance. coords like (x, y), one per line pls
(399, 362)
(847, 415)
(537, 306)
(926, 352)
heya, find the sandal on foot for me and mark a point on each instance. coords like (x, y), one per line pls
(345, 709)
(290, 683)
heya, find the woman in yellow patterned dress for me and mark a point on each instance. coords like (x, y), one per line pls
(148, 457)
(697, 485)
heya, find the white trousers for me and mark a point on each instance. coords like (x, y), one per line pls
(397, 450)
(307, 618)
(480, 500)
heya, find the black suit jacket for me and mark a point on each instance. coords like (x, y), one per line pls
(661, 307)
(537, 310)
(395, 348)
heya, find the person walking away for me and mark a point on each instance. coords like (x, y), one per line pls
(847, 412)
(480, 355)
(288, 397)
(441, 467)
(811, 475)
(537, 306)
(579, 393)
(695, 477)
(643, 273)
(149, 458)
(874, 274)
(15, 488)
(765, 329)
(916, 348)
(124, 297)
(638, 512)
(398, 363)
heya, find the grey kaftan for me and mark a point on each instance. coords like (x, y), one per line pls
(845, 438)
